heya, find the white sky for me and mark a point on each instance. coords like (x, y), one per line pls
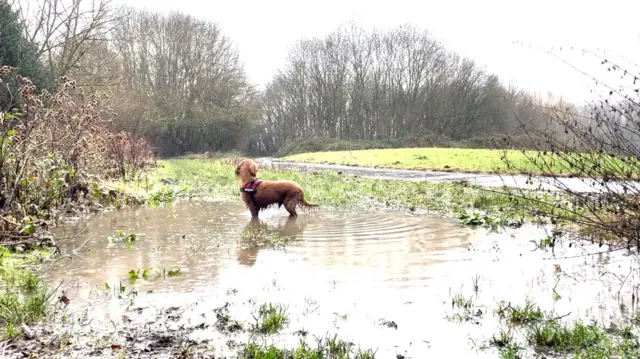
(263, 31)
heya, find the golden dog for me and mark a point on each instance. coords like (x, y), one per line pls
(258, 194)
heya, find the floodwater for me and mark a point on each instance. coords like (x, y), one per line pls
(574, 184)
(340, 272)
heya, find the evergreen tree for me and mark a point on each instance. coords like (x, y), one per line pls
(17, 51)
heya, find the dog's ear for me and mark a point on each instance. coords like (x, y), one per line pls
(253, 169)
(238, 165)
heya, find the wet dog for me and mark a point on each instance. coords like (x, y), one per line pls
(258, 194)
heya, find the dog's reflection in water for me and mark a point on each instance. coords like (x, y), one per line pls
(257, 234)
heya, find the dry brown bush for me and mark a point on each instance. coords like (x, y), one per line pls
(129, 156)
(53, 145)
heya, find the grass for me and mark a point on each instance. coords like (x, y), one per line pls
(464, 310)
(448, 159)
(271, 319)
(563, 338)
(529, 312)
(325, 348)
(473, 205)
(549, 335)
(505, 342)
(224, 323)
(23, 298)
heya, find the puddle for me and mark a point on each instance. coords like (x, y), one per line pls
(343, 273)
(204, 240)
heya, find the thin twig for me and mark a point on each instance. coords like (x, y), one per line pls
(54, 291)
(62, 257)
(625, 279)
(9, 221)
(75, 251)
(558, 317)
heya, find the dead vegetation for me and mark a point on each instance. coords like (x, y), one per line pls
(56, 148)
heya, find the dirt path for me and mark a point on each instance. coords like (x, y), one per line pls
(485, 180)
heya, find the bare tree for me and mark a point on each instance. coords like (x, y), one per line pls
(65, 30)
(397, 86)
(600, 145)
(191, 91)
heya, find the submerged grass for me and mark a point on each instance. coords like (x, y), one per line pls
(443, 159)
(473, 205)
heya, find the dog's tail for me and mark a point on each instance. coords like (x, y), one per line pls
(304, 202)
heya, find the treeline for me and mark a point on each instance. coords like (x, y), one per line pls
(397, 84)
(179, 82)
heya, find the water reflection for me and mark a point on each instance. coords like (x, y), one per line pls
(257, 231)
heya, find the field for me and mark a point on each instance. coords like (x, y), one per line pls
(214, 178)
(471, 204)
(457, 160)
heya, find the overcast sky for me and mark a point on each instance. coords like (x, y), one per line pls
(483, 30)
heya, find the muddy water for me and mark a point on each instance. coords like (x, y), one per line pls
(340, 272)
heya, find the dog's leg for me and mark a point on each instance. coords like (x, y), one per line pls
(250, 205)
(290, 205)
(254, 211)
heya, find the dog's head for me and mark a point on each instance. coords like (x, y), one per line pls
(247, 168)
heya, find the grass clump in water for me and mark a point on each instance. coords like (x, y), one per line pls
(549, 335)
(505, 342)
(527, 313)
(325, 348)
(271, 319)
(23, 297)
(464, 310)
(566, 338)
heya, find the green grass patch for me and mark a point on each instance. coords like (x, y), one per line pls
(464, 309)
(549, 335)
(271, 319)
(23, 297)
(458, 160)
(472, 205)
(563, 338)
(507, 345)
(529, 312)
(324, 348)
